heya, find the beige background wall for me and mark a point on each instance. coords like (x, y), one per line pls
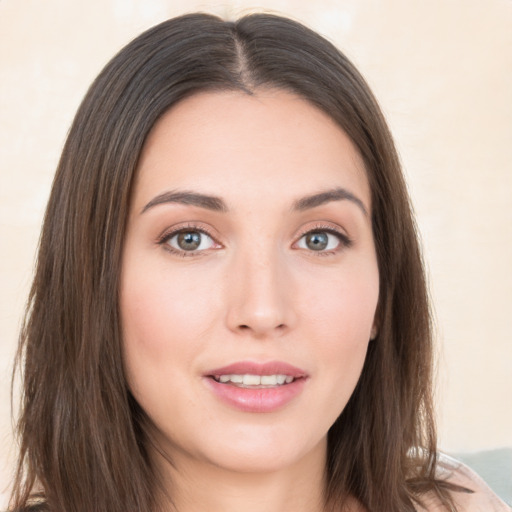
(442, 70)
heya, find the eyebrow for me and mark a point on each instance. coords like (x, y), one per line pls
(190, 198)
(321, 198)
(216, 204)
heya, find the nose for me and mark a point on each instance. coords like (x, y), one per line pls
(260, 302)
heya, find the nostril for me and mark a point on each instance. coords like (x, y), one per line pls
(245, 327)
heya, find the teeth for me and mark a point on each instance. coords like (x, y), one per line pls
(255, 380)
(269, 380)
(251, 380)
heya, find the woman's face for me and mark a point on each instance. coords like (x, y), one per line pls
(249, 280)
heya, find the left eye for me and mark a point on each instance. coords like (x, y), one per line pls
(319, 241)
(190, 240)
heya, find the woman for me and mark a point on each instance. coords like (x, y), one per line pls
(229, 307)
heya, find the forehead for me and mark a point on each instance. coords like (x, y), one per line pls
(272, 142)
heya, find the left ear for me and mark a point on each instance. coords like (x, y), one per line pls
(374, 332)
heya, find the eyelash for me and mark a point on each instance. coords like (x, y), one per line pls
(167, 235)
(344, 240)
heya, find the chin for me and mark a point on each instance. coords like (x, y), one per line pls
(263, 451)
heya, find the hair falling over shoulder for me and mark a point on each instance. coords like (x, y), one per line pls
(83, 438)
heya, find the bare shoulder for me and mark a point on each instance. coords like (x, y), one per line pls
(482, 499)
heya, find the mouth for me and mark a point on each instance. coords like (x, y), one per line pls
(250, 374)
(257, 387)
(252, 381)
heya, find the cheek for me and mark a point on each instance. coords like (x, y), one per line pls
(343, 306)
(163, 321)
(146, 319)
(159, 303)
(340, 318)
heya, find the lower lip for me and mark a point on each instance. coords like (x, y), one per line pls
(257, 399)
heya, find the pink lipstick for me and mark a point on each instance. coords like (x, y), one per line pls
(256, 387)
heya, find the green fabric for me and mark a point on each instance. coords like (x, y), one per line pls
(495, 467)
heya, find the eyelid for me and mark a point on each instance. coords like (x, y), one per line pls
(172, 231)
(345, 240)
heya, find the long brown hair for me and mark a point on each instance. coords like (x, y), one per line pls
(83, 436)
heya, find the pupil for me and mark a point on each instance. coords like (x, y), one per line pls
(189, 241)
(317, 241)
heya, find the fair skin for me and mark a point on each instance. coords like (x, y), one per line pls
(249, 252)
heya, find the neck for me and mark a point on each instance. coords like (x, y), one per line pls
(196, 486)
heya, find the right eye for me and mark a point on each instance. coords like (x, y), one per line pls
(189, 241)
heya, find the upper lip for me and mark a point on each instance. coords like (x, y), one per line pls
(257, 368)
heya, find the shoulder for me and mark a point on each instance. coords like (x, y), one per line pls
(478, 496)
